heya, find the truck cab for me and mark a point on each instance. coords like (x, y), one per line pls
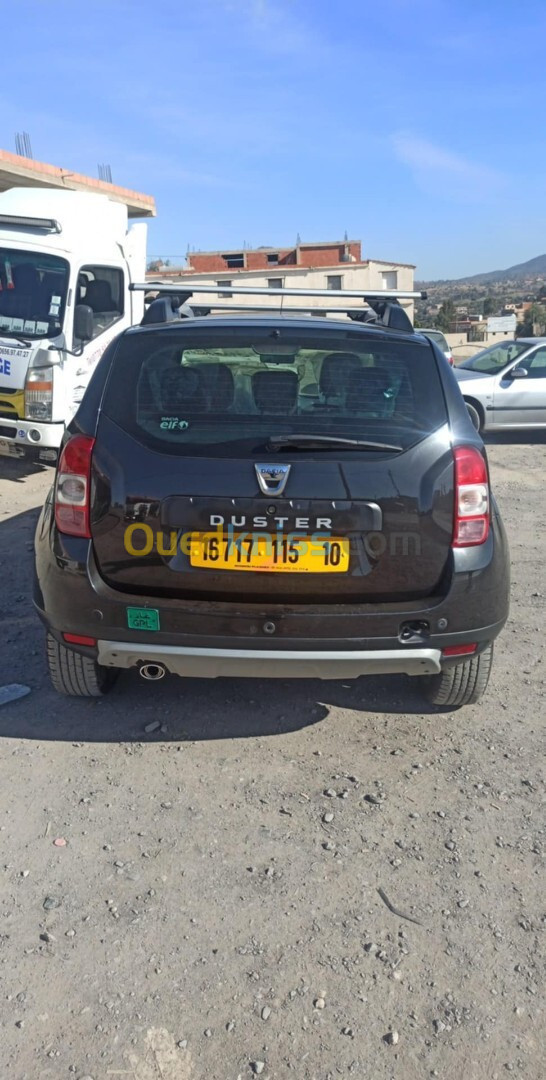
(67, 259)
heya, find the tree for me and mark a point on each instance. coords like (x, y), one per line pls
(538, 315)
(156, 264)
(533, 323)
(446, 316)
(489, 306)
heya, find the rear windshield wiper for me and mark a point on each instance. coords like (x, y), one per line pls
(327, 442)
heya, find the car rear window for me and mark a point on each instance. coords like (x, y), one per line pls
(231, 389)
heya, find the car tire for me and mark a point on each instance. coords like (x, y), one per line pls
(474, 415)
(462, 684)
(77, 675)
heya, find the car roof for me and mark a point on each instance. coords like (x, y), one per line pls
(308, 322)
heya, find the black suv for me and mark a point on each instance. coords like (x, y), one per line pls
(272, 495)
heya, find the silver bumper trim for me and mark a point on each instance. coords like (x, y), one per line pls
(269, 663)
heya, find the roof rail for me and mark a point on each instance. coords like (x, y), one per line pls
(398, 319)
(172, 302)
(203, 307)
(262, 290)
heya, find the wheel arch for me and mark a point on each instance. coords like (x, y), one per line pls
(477, 405)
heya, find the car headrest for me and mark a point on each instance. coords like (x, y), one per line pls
(336, 370)
(275, 391)
(182, 387)
(218, 385)
(99, 296)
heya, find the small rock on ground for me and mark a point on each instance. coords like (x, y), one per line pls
(391, 1038)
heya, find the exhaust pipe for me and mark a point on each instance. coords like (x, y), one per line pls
(152, 672)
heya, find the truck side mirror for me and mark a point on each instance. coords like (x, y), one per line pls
(83, 323)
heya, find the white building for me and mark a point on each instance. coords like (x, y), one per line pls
(336, 266)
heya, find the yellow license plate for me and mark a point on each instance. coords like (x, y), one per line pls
(288, 554)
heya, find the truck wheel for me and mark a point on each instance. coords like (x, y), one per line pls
(462, 684)
(77, 675)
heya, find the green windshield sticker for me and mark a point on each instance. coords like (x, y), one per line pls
(141, 618)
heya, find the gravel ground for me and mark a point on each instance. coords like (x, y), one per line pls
(214, 909)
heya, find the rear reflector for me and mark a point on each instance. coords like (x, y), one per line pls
(79, 639)
(459, 650)
(72, 487)
(471, 519)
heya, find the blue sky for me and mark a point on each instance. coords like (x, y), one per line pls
(415, 125)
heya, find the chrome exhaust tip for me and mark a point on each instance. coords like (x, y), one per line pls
(152, 672)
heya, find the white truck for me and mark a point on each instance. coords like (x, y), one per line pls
(67, 259)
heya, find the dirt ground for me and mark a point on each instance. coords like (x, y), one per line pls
(203, 922)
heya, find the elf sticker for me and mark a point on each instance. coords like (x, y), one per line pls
(173, 423)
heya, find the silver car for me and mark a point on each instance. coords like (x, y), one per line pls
(438, 337)
(505, 386)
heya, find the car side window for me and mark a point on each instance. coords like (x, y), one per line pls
(536, 364)
(102, 288)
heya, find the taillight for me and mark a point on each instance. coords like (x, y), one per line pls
(72, 487)
(471, 524)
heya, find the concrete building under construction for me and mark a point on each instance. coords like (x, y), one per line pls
(336, 266)
(18, 171)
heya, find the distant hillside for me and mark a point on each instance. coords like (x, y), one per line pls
(532, 268)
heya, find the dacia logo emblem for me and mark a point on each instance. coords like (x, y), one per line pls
(272, 478)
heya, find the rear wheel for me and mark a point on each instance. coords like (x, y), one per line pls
(77, 675)
(475, 415)
(462, 684)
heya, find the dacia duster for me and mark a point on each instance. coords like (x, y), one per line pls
(272, 495)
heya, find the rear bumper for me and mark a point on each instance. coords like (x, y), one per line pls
(271, 663)
(216, 638)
